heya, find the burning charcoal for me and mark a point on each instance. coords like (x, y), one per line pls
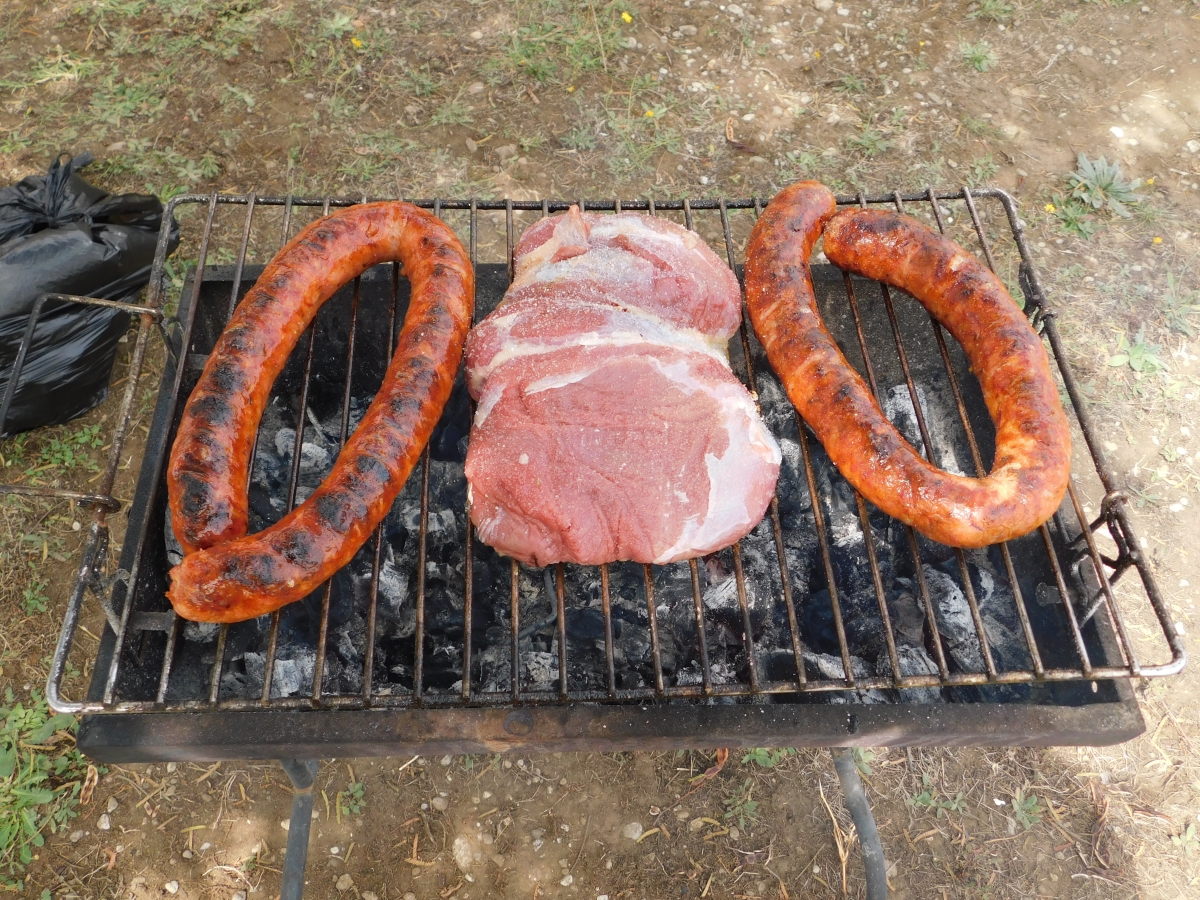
(540, 668)
(314, 459)
(954, 621)
(289, 678)
(174, 549)
(911, 660)
(898, 407)
(201, 632)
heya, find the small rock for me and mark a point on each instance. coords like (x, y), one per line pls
(476, 87)
(240, 895)
(205, 846)
(105, 823)
(823, 5)
(172, 767)
(116, 147)
(345, 882)
(171, 887)
(568, 880)
(696, 824)
(410, 896)
(1009, 131)
(508, 151)
(842, 11)
(112, 804)
(1193, 146)
(464, 856)
(682, 814)
(734, 10)
(688, 30)
(369, 895)
(633, 831)
(439, 803)
(187, 854)
(477, 35)
(76, 837)
(734, 834)
(285, 824)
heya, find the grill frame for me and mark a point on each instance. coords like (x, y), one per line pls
(517, 717)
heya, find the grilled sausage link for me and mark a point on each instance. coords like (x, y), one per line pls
(227, 577)
(1033, 445)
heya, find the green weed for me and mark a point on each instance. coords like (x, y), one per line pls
(979, 56)
(850, 84)
(351, 801)
(40, 779)
(767, 759)
(941, 805)
(1187, 840)
(741, 808)
(33, 595)
(1101, 185)
(1179, 306)
(71, 451)
(1140, 355)
(995, 10)
(869, 141)
(452, 112)
(337, 26)
(420, 81)
(1073, 217)
(1027, 810)
(982, 170)
(115, 103)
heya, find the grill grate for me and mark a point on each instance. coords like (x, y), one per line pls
(1073, 631)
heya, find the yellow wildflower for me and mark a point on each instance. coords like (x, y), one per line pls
(626, 17)
(649, 114)
(1150, 181)
(571, 89)
(1158, 240)
(1050, 207)
(356, 42)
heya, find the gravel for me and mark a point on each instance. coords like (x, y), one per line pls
(345, 882)
(633, 831)
(439, 803)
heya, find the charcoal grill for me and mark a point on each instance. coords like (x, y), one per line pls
(830, 625)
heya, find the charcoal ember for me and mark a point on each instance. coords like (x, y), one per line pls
(911, 660)
(898, 407)
(174, 548)
(315, 459)
(721, 673)
(201, 632)
(954, 621)
(539, 669)
(290, 677)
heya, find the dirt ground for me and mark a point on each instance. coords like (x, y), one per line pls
(666, 99)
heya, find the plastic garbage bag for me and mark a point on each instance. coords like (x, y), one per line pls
(59, 234)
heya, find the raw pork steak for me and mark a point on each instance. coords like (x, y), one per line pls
(609, 425)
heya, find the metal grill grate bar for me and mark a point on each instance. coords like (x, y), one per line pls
(1101, 603)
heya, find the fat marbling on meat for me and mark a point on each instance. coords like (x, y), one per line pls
(609, 425)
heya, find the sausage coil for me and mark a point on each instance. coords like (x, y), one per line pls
(228, 577)
(1033, 446)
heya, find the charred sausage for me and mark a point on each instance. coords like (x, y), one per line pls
(228, 577)
(1033, 446)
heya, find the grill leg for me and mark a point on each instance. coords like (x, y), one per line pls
(864, 820)
(303, 773)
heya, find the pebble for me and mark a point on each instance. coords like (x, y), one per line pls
(345, 882)
(1009, 131)
(734, 834)
(112, 804)
(842, 11)
(240, 895)
(285, 824)
(696, 824)
(476, 87)
(682, 814)
(688, 30)
(76, 837)
(568, 880)
(187, 854)
(446, 760)
(439, 803)
(823, 5)
(410, 896)
(508, 151)
(1193, 146)
(633, 831)
(369, 895)
(171, 887)
(734, 10)
(105, 823)
(477, 35)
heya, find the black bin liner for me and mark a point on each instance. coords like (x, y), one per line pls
(59, 234)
